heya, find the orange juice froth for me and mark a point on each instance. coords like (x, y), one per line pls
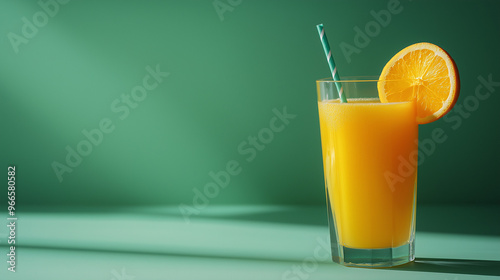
(367, 146)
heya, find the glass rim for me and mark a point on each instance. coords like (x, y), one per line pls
(350, 79)
(355, 79)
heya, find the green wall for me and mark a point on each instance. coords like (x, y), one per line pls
(226, 73)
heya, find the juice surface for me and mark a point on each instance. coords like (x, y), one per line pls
(368, 148)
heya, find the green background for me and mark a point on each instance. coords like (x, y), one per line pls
(227, 74)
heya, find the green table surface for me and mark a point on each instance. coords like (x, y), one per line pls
(236, 242)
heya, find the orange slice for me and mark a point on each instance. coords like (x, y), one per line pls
(424, 73)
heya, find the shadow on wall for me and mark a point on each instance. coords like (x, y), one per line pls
(457, 219)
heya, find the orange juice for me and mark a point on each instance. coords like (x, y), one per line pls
(364, 142)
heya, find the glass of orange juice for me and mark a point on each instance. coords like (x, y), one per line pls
(370, 150)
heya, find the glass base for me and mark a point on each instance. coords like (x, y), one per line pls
(387, 257)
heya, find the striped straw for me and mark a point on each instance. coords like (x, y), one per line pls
(331, 63)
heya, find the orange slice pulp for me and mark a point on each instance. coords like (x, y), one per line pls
(423, 73)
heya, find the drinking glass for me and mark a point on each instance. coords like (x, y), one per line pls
(370, 155)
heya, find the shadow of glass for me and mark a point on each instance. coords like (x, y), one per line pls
(455, 266)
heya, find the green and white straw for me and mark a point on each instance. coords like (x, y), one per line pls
(331, 63)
